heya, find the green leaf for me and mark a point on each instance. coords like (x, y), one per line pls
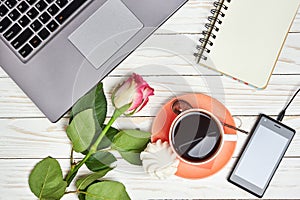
(108, 138)
(81, 131)
(100, 104)
(111, 190)
(130, 143)
(133, 157)
(81, 196)
(46, 180)
(95, 99)
(84, 182)
(100, 160)
(106, 141)
(129, 140)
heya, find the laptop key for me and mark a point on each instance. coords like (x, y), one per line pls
(52, 26)
(69, 10)
(35, 41)
(24, 21)
(22, 38)
(49, 1)
(41, 5)
(3, 10)
(26, 50)
(32, 13)
(23, 6)
(45, 17)
(44, 34)
(62, 3)
(36, 25)
(12, 32)
(53, 9)
(10, 3)
(31, 2)
(14, 15)
(4, 24)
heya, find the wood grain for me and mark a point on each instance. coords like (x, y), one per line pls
(192, 17)
(285, 184)
(23, 138)
(190, 20)
(172, 55)
(166, 62)
(239, 98)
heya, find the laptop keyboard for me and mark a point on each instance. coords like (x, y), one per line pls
(26, 25)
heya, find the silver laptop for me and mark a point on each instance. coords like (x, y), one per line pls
(57, 50)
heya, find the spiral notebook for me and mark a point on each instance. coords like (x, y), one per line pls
(244, 38)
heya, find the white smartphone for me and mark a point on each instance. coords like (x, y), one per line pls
(262, 155)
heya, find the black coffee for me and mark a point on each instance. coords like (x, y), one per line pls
(196, 137)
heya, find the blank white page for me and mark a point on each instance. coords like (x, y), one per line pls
(250, 39)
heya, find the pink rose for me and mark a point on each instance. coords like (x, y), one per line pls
(134, 92)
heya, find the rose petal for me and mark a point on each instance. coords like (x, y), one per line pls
(134, 90)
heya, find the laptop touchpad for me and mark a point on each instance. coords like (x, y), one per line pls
(105, 32)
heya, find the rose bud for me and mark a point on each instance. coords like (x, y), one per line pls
(133, 92)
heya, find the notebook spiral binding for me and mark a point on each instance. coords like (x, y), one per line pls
(208, 35)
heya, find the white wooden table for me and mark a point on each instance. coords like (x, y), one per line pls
(26, 136)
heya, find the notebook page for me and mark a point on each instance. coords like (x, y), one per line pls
(250, 39)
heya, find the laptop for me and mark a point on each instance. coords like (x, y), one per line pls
(58, 50)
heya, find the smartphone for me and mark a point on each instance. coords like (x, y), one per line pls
(262, 155)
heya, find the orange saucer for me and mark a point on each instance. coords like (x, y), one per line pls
(165, 117)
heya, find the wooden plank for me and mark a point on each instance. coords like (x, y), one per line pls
(296, 23)
(38, 138)
(192, 17)
(289, 62)
(285, 184)
(2, 73)
(172, 55)
(239, 98)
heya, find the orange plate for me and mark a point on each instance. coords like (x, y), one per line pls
(164, 119)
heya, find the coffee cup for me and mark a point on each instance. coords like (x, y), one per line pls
(197, 136)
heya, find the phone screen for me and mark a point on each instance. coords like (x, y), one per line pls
(262, 155)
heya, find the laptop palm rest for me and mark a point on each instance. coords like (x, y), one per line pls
(105, 32)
